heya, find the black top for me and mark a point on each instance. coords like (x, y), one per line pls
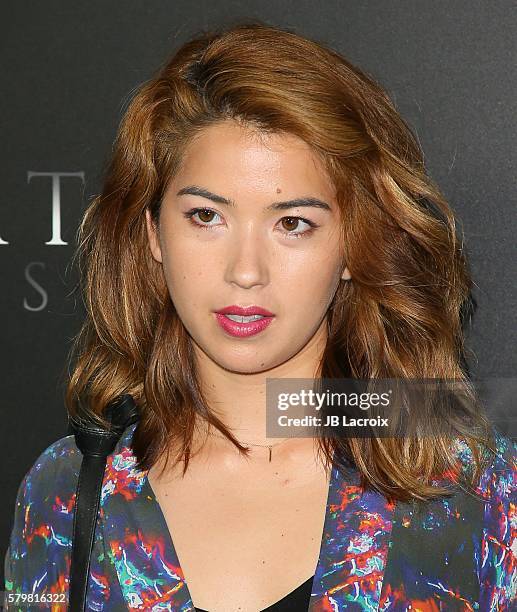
(295, 601)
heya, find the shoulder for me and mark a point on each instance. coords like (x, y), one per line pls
(497, 569)
(54, 471)
(498, 560)
(50, 482)
(497, 487)
(498, 478)
(469, 537)
(49, 485)
(43, 518)
(41, 536)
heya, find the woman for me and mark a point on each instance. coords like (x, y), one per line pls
(261, 175)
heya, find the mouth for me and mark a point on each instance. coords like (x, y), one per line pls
(244, 321)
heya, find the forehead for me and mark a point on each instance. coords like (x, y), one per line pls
(250, 158)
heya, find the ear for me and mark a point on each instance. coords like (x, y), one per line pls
(346, 274)
(152, 235)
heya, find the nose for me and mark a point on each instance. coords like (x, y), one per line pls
(247, 260)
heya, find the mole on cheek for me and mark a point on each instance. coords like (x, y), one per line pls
(278, 190)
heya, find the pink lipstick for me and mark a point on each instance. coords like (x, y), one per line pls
(243, 321)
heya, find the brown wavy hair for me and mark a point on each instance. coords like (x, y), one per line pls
(400, 316)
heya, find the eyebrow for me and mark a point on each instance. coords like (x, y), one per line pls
(304, 201)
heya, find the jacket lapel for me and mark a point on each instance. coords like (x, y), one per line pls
(354, 547)
(137, 538)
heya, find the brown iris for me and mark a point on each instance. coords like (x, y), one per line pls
(205, 212)
(293, 220)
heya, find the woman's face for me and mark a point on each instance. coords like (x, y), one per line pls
(230, 235)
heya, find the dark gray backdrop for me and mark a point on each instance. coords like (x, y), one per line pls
(68, 71)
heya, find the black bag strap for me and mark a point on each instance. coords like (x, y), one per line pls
(95, 445)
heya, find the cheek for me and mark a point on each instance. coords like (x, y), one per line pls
(314, 269)
(182, 261)
(306, 287)
(189, 273)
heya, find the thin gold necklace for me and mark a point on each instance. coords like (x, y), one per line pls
(268, 446)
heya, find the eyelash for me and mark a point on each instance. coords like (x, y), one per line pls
(189, 215)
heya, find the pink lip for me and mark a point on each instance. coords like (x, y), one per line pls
(242, 330)
(245, 311)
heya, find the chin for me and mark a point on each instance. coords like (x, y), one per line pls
(241, 360)
(245, 361)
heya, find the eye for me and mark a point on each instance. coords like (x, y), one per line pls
(202, 212)
(301, 234)
(289, 223)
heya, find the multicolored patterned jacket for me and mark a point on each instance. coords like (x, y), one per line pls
(458, 553)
